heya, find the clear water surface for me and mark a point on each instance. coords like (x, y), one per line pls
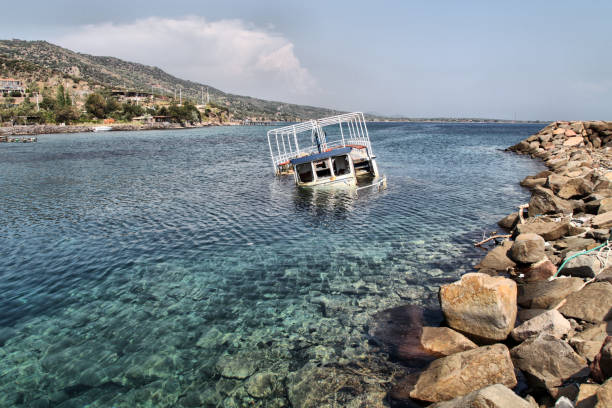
(131, 263)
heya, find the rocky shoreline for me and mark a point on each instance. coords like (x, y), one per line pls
(531, 328)
(54, 129)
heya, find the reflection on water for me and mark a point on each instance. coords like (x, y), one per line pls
(141, 268)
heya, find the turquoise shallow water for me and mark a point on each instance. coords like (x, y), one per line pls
(135, 265)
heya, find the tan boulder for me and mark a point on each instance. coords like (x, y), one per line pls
(493, 396)
(550, 322)
(547, 294)
(527, 248)
(587, 396)
(603, 220)
(461, 373)
(575, 188)
(592, 303)
(543, 201)
(480, 305)
(604, 395)
(605, 205)
(573, 141)
(548, 361)
(497, 258)
(548, 229)
(558, 131)
(443, 341)
(570, 132)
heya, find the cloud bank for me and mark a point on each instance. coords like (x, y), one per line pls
(228, 54)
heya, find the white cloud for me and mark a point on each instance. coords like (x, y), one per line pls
(228, 54)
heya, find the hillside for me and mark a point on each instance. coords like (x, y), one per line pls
(44, 58)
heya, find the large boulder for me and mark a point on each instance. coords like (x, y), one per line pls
(548, 229)
(548, 294)
(548, 362)
(604, 395)
(603, 220)
(575, 188)
(509, 221)
(493, 396)
(527, 248)
(605, 205)
(442, 341)
(581, 265)
(461, 373)
(497, 258)
(544, 201)
(592, 303)
(480, 305)
(572, 141)
(588, 342)
(550, 322)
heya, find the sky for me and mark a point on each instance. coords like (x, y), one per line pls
(545, 60)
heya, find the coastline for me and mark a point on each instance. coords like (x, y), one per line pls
(533, 325)
(29, 130)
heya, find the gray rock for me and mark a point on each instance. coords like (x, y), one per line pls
(493, 396)
(509, 221)
(551, 322)
(548, 361)
(548, 229)
(527, 248)
(239, 366)
(592, 303)
(547, 294)
(544, 201)
(605, 275)
(582, 266)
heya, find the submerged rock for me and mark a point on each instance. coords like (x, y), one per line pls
(442, 341)
(238, 366)
(461, 373)
(548, 361)
(398, 331)
(480, 305)
(493, 396)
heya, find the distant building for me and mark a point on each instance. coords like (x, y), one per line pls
(10, 84)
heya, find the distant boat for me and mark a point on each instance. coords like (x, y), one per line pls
(342, 158)
(102, 128)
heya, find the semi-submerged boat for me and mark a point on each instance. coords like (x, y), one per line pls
(332, 151)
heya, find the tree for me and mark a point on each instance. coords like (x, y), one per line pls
(61, 96)
(96, 105)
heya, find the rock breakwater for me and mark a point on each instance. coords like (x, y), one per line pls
(542, 297)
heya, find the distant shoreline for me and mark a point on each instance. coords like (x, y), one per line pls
(30, 130)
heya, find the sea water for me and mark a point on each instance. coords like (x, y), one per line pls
(133, 264)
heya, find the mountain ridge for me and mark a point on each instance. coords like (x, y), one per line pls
(113, 72)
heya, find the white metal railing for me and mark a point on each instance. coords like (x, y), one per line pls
(290, 142)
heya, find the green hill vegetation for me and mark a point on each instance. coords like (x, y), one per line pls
(44, 67)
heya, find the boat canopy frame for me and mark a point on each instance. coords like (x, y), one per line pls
(284, 142)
